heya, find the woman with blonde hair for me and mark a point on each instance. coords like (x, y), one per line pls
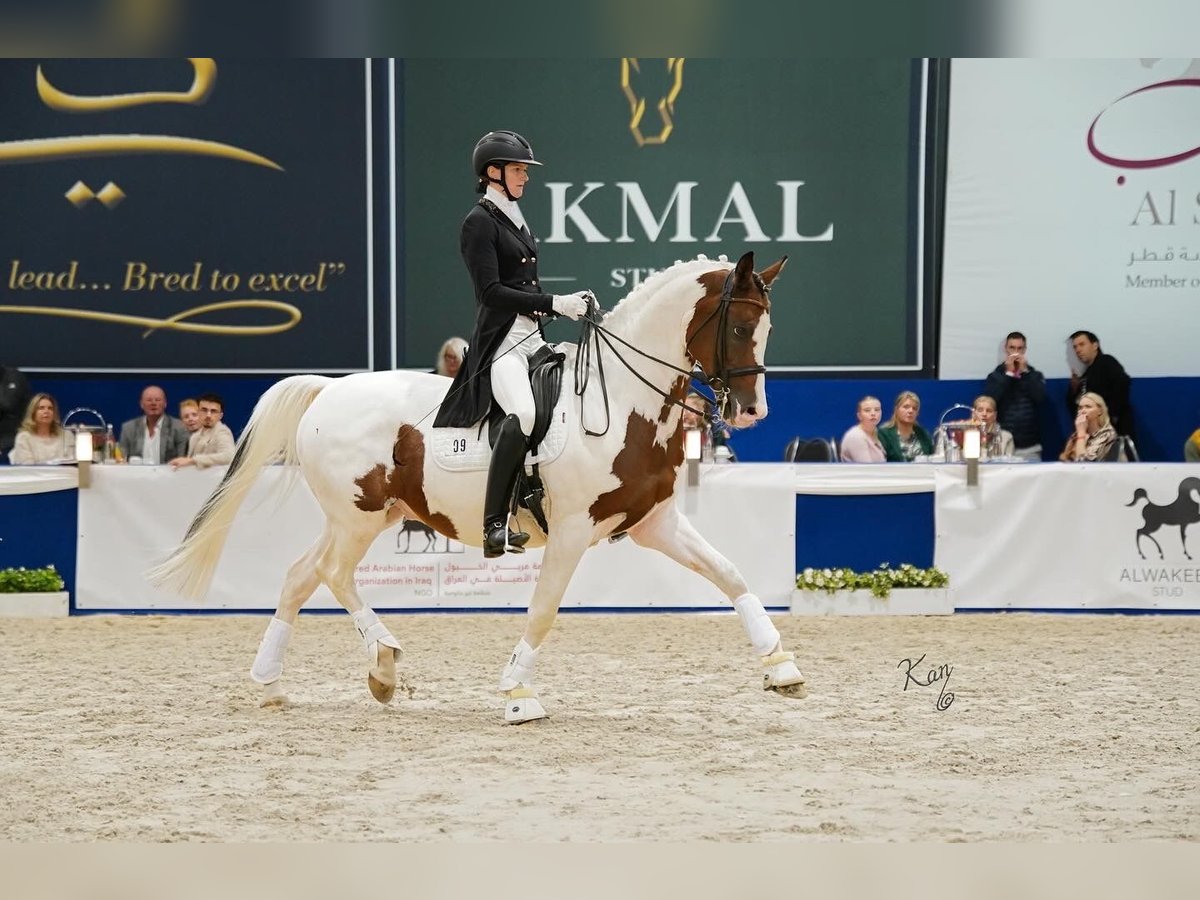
(42, 439)
(1094, 434)
(450, 357)
(903, 439)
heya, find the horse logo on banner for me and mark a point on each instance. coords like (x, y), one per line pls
(1184, 511)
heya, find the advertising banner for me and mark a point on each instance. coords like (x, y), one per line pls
(1072, 204)
(185, 215)
(649, 161)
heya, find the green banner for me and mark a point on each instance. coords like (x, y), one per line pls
(648, 161)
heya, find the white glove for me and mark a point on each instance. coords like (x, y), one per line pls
(573, 306)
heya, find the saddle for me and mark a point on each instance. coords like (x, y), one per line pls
(464, 450)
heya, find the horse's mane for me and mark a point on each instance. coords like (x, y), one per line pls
(633, 302)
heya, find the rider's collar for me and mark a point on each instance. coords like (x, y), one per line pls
(506, 206)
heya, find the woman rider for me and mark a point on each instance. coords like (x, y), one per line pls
(501, 256)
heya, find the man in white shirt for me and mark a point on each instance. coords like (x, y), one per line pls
(213, 444)
(155, 437)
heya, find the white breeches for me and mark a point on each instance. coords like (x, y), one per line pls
(510, 371)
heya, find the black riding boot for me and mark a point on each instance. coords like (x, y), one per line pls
(508, 454)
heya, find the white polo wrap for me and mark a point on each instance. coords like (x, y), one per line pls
(764, 637)
(268, 662)
(519, 669)
(373, 631)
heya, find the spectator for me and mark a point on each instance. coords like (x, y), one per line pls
(1191, 449)
(1101, 374)
(995, 442)
(14, 399)
(154, 437)
(189, 415)
(861, 442)
(903, 438)
(213, 444)
(450, 357)
(1019, 391)
(1094, 433)
(42, 439)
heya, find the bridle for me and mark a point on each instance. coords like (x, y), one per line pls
(717, 382)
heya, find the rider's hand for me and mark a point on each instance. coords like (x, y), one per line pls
(573, 306)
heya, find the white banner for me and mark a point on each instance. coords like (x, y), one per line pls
(133, 516)
(1072, 200)
(1063, 535)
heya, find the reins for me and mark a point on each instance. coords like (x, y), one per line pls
(593, 333)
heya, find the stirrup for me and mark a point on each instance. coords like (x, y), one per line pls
(494, 545)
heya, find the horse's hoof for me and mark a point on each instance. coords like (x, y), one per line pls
(796, 691)
(522, 706)
(383, 685)
(380, 691)
(273, 696)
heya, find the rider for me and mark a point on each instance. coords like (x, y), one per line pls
(501, 256)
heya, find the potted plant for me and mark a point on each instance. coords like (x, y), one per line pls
(905, 590)
(32, 593)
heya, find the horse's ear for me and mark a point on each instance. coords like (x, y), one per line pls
(771, 272)
(744, 271)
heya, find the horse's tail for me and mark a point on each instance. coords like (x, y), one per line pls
(1139, 494)
(269, 437)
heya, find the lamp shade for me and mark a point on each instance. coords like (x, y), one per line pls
(971, 443)
(83, 446)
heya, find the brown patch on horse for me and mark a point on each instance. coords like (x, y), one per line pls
(405, 483)
(677, 392)
(646, 471)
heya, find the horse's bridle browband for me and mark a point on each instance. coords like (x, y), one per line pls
(718, 382)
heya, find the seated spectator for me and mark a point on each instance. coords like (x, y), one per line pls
(1094, 434)
(450, 357)
(189, 415)
(42, 439)
(903, 439)
(714, 440)
(213, 444)
(861, 442)
(994, 441)
(1191, 450)
(14, 401)
(155, 437)
(1019, 391)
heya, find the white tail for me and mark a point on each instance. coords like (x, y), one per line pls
(269, 437)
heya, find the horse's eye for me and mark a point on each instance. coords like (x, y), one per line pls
(741, 331)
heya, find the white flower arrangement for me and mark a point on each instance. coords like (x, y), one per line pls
(879, 583)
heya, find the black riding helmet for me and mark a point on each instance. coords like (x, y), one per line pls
(498, 148)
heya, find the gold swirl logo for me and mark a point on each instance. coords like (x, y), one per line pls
(204, 81)
(665, 104)
(178, 322)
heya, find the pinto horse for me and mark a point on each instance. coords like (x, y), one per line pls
(361, 443)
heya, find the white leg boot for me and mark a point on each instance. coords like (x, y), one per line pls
(383, 650)
(516, 683)
(268, 662)
(781, 673)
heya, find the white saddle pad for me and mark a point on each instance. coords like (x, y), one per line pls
(467, 449)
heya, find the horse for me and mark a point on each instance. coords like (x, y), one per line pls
(362, 443)
(416, 526)
(1183, 511)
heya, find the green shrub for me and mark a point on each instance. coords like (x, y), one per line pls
(879, 583)
(30, 581)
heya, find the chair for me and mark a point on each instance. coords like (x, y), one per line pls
(1129, 451)
(811, 450)
(1113, 453)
